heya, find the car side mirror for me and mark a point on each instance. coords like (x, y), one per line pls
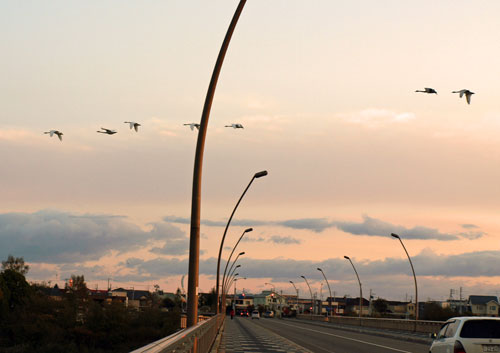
(433, 335)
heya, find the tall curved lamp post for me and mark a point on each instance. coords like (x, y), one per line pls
(194, 238)
(414, 277)
(229, 259)
(310, 291)
(234, 296)
(256, 176)
(360, 290)
(293, 284)
(272, 286)
(320, 270)
(230, 282)
(230, 276)
(225, 279)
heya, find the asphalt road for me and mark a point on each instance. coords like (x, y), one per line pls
(319, 339)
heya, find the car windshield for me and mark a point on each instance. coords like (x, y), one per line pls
(481, 329)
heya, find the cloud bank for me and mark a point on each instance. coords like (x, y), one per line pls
(59, 237)
(369, 226)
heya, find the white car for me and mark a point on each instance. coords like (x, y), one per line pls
(255, 315)
(468, 335)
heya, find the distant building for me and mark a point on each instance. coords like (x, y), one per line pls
(484, 305)
(270, 301)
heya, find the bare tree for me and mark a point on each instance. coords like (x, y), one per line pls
(15, 264)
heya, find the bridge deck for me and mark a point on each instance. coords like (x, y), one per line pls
(244, 335)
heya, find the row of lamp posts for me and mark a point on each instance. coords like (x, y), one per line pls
(194, 242)
(360, 286)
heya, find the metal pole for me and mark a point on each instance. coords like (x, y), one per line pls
(224, 282)
(310, 291)
(256, 175)
(320, 270)
(360, 290)
(194, 242)
(234, 248)
(273, 289)
(414, 276)
(293, 284)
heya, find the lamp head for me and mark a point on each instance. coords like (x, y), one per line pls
(395, 235)
(260, 174)
(303, 277)
(346, 257)
(236, 274)
(291, 282)
(319, 269)
(238, 266)
(241, 253)
(248, 230)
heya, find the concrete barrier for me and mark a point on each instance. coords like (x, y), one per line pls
(421, 326)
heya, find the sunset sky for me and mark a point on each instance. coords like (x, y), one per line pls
(326, 92)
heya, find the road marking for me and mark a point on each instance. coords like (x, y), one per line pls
(295, 343)
(347, 338)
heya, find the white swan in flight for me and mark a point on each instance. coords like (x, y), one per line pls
(55, 132)
(427, 90)
(235, 126)
(467, 93)
(107, 131)
(193, 125)
(133, 125)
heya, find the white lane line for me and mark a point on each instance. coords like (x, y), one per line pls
(347, 338)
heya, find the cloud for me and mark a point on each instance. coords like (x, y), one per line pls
(284, 240)
(375, 227)
(60, 237)
(210, 223)
(17, 135)
(252, 239)
(177, 242)
(377, 116)
(369, 226)
(315, 224)
(427, 264)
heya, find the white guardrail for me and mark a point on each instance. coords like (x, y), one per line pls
(421, 326)
(195, 339)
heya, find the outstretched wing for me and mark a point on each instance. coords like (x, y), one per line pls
(467, 96)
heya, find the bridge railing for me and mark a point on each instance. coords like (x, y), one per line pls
(421, 326)
(196, 339)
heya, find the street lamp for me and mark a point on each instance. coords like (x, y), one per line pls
(194, 237)
(225, 279)
(256, 176)
(293, 284)
(273, 287)
(320, 270)
(229, 259)
(234, 296)
(414, 277)
(310, 291)
(360, 290)
(230, 282)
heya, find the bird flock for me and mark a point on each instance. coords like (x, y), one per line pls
(463, 92)
(135, 126)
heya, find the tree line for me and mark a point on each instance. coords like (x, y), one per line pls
(32, 321)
